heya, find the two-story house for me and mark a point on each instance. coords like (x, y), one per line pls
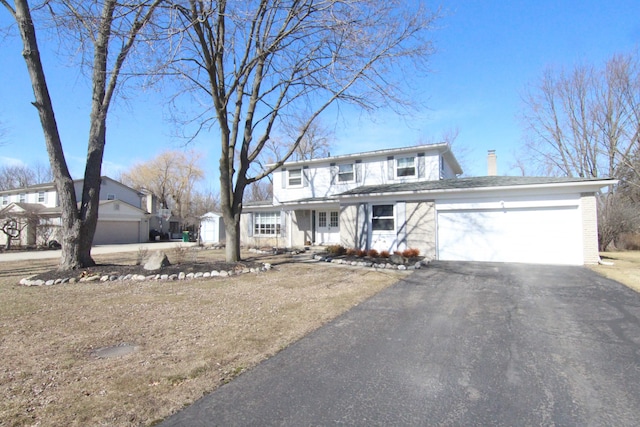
(122, 217)
(412, 197)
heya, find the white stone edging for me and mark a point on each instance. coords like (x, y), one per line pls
(386, 266)
(143, 278)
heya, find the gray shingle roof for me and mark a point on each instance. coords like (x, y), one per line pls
(463, 183)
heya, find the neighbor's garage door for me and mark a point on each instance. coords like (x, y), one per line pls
(112, 232)
(541, 235)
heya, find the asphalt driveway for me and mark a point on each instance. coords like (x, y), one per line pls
(454, 344)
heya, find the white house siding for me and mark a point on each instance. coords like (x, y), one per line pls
(31, 195)
(420, 228)
(300, 228)
(320, 177)
(538, 229)
(354, 220)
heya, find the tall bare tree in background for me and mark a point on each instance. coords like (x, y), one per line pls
(315, 143)
(105, 33)
(20, 176)
(265, 63)
(171, 177)
(586, 123)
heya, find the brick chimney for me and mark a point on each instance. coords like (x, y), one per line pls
(492, 163)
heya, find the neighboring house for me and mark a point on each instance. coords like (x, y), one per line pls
(212, 228)
(411, 197)
(121, 216)
(163, 224)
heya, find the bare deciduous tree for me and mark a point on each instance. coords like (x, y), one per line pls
(202, 202)
(586, 123)
(265, 63)
(107, 32)
(315, 143)
(23, 176)
(259, 191)
(170, 177)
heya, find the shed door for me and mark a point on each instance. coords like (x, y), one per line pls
(531, 235)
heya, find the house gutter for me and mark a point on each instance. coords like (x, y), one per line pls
(578, 185)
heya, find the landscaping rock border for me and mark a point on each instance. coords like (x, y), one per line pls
(142, 278)
(386, 266)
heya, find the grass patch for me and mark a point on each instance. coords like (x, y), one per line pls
(625, 268)
(190, 336)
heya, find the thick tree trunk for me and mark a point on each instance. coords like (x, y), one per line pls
(62, 178)
(231, 206)
(232, 229)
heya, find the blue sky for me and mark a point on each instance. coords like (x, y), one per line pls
(487, 54)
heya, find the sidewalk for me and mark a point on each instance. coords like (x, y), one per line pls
(96, 250)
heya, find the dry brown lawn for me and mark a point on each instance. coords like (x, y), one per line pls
(191, 337)
(625, 268)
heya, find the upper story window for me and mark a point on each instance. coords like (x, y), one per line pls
(111, 196)
(22, 198)
(295, 178)
(5, 200)
(406, 166)
(345, 173)
(41, 196)
(382, 218)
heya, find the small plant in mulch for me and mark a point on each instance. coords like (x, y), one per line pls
(411, 253)
(141, 255)
(407, 256)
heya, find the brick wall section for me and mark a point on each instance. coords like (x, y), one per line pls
(589, 228)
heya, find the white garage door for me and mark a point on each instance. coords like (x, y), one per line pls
(113, 232)
(544, 236)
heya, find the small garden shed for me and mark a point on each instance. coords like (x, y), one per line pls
(212, 228)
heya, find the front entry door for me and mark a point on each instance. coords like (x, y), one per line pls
(327, 227)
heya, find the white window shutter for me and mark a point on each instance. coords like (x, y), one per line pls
(358, 171)
(420, 165)
(390, 168)
(284, 178)
(283, 224)
(305, 177)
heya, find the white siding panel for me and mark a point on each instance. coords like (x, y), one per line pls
(549, 235)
